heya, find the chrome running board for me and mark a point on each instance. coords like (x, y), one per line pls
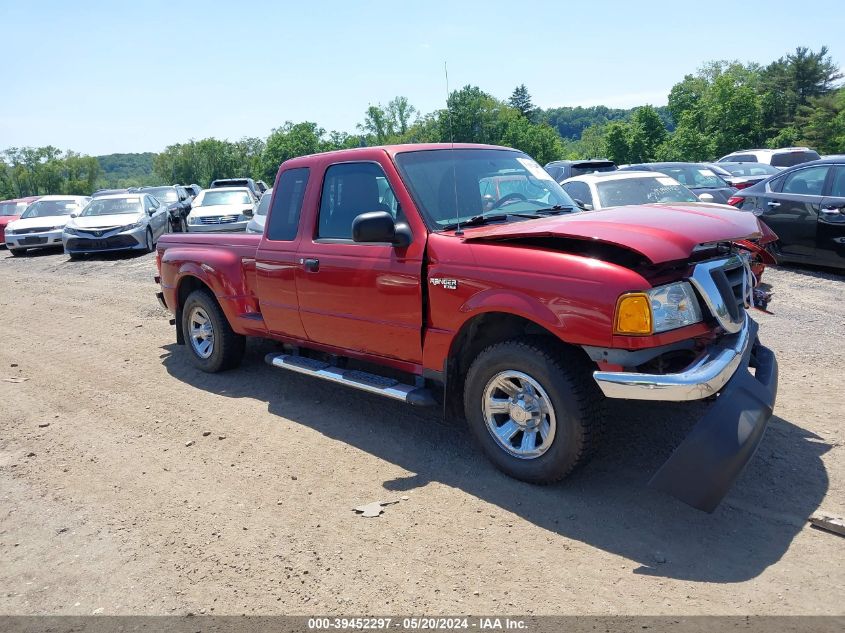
(372, 383)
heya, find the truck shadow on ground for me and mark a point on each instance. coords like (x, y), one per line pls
(605, 505)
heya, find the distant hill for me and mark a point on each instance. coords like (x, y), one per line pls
(126, 170)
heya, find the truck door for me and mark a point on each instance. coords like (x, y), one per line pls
(361, 297)
(831, 233)
(276, 259)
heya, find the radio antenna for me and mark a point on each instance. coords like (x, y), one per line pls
(458, 230)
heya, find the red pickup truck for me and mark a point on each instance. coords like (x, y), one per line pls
(387, 270)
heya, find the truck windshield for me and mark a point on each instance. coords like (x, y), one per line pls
(456, 185)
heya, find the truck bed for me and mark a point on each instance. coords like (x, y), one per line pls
(244, 244)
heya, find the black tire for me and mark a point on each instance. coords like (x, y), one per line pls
(228, 346)
(149, 246)
(17, 252)
(74, 256)
(575, 399)
(183, 225)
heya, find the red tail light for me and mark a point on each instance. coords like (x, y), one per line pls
(735, 201)
(742, 185)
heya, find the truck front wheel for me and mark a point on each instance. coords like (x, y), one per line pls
(535, 413)
(214, 345)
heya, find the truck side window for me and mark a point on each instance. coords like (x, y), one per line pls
(287, 205)
(350, 189)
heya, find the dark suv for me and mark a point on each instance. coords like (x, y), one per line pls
(560, 170)
(178, 202)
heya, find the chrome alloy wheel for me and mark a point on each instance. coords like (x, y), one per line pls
(201, 333)
(519, 414)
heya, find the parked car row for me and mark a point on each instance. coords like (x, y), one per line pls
(127, 219)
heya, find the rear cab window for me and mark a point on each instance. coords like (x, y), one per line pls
(283, 223)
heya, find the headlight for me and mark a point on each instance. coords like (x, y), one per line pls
(192, 220)
(243, 218)
(130, 227)
(70, 230)
(657, 310)
(10, 231)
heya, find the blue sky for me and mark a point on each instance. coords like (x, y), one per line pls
(98, 77)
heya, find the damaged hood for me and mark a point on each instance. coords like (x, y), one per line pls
(658, 232)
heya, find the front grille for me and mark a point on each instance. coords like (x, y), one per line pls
(725, 285)
(42, 229)
(116, 241)
(98, 232)
(730, 280)
(218, 219)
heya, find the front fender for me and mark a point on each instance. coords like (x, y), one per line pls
(511, 302)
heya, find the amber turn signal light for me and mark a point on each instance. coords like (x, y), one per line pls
(633, 314)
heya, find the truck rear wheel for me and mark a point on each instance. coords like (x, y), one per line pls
(213, 344)
(535, 413)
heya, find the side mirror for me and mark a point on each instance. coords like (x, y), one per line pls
(379, 226)
(151, 211)
(74, 215)
(583, 205)
(706, 197)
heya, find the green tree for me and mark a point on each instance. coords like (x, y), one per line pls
(289, 141)
(821, 123)
(520, 100)
(541, 142)
(645, 134)
(616, 146)
(473, 116)
(732, 114)
(591, 144)
(687, 143)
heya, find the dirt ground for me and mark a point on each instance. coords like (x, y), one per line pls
(131, 483)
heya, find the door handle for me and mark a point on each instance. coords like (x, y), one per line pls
(773, 204)
(310, 264)
(831, 210)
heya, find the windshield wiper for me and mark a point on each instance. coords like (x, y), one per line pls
(555, 210)
(477, 220)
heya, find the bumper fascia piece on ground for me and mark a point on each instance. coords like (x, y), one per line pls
(703, 468)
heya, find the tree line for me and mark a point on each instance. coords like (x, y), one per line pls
(722, 107)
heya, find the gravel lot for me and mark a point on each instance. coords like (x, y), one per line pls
(133, 484)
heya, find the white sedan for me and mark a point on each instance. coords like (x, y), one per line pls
(222, 209)
(620, 188)
(42, 223)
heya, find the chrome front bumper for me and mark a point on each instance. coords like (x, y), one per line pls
(702, 379)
